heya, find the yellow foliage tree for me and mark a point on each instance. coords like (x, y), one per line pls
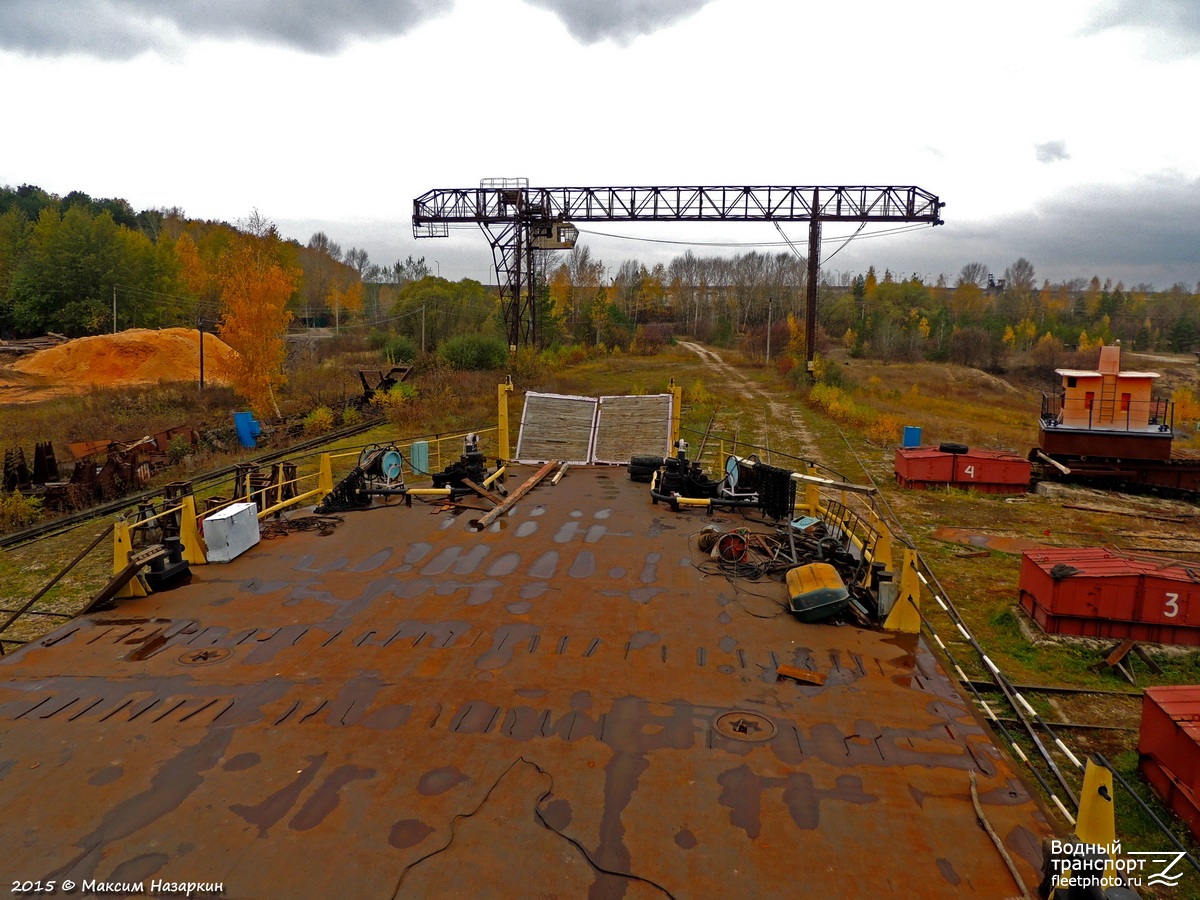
(191, 268)
(1187, 406)
(562, 293)
(348, 298)
(255, 289)
(1028, 332)
(796, 340)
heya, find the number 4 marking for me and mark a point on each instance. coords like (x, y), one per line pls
(1172, 606)
(969, 471)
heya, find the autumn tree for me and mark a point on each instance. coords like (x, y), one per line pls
(975, 273)
(70, 266)
(255, 288)
(432, 310)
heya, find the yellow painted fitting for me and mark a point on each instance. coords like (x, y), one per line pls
(905, 616)
(285, 504)
(487, 482)
(429, 492)
(122, 547)
(883, 547)
(676, 411)
(502, 392)
(693, 501)
(189, 533)
(1096, 823)
(325, 477)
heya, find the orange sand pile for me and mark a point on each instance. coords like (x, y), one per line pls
(136, 356)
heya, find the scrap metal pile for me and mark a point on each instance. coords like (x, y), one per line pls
(826, 577)
(103, 470)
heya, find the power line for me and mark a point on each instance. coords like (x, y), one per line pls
(786, 242)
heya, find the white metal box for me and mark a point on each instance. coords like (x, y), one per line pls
(230, 532)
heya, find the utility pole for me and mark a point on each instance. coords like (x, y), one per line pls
(114, 309)
(768, 332)
(814, 275)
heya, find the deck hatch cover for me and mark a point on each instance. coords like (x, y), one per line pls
(556, 427)
(586, 430)
(632, 426)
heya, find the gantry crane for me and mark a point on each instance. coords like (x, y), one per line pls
(518, 219)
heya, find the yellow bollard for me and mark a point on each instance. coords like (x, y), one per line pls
(189, 533)
(883, 548)
(1097, 823)
(122, 547)
(502, 392)
(676, 411)
(905, 616)
(325, 478)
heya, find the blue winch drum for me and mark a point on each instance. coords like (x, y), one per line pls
(391, 465)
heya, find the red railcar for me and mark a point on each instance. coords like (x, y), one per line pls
(987, 471)
(1169, 747)
(1097, 592)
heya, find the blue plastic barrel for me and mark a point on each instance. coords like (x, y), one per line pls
(912, 436)
(247, 428)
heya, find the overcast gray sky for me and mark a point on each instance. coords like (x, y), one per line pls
(1062, 132)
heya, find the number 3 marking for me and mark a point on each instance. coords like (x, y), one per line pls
(1172, 606)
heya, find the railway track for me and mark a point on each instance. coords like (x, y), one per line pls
(14, 615)
(62, 524)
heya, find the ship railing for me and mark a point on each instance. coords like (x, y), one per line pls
(822, 493)
(712, 450)
(288, 487)
(1155, 416)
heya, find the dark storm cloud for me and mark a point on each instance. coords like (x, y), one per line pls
(618, 20)
(1051, 151)
(1148, 231)
(120, 29)
(1172, 25)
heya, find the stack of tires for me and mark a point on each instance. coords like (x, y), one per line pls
(642, 468)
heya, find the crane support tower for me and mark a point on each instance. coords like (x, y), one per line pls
(518, 219)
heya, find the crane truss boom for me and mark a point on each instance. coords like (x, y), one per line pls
(517, 218)
(493, 205)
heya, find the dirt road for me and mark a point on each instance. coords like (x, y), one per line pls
(780, 415)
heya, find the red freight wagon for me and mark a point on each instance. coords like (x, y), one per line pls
(988, 471)
(1104, 593)
(1169, 747)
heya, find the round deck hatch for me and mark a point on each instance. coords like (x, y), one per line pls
(744, 726)
(204, 657)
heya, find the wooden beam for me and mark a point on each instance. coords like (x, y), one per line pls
(137, 562)
(517, 495)
(483, 492)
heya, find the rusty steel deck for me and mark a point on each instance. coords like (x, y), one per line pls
(559, 706)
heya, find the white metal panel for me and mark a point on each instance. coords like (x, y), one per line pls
(632, 426)
(558, 427)
(230, 532)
